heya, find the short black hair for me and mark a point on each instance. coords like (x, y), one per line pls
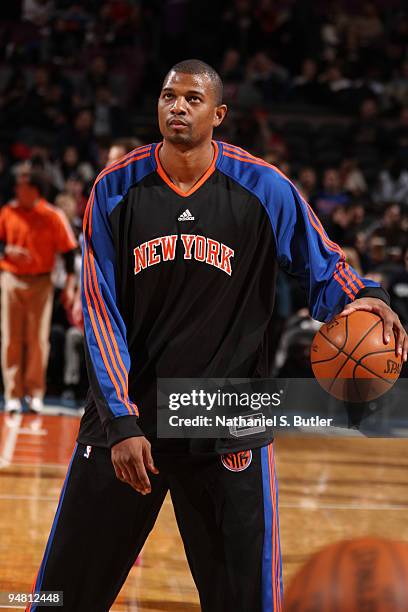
(35, 178)
(195, 66)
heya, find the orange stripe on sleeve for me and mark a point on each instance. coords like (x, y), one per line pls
(341, 268)
(104, 319)
(131, 408)
(88, 228)
(87, 285)
(356, 278)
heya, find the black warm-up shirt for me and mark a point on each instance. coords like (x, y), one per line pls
(182, 285)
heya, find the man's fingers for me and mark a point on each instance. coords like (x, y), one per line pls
(399, 338)
(405, 347)
(130, 458)
(352, 308)
(128, 475)
(134, 479)
(148, 459)
(388, 324)
(401, 341)
(346, 312)
(142, 477)
(119, 473)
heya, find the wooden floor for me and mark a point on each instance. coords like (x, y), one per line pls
(330, 489)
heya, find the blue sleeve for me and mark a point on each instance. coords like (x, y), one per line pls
(304, 250)
(107, 354)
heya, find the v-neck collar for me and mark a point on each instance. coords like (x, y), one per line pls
(184, 194)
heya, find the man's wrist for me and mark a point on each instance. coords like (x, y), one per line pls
(121, 428)
(374, 292)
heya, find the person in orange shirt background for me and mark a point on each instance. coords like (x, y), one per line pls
(32, 232)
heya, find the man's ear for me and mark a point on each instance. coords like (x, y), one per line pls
(219, 114)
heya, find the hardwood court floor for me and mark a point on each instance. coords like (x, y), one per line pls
(330, 489)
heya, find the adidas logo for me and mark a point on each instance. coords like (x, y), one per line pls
(186, 216)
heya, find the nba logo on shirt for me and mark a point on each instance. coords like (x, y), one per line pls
(88, 451)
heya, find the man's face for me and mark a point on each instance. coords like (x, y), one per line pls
(331, 180)
(187, 109)
(392, 215)
(26, 194)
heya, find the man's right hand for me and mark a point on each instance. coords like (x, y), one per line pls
(17, 253)
(130, 459)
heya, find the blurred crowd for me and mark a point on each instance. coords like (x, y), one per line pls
(320, 89)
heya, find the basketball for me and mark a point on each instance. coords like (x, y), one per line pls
(352, 576)
(350, 359)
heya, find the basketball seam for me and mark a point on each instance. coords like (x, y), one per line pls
(358, 363)
(368, 332)
(340, 348)
(365, 367)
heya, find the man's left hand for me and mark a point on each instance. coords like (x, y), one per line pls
(391, 321)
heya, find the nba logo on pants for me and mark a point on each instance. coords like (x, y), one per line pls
(88, 451)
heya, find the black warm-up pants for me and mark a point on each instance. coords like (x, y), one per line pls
(226, 510)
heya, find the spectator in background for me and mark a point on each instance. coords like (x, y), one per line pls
(81, 136)
(121, 147)
(68, 204)
(336, 89)
(32, 232)
(366, 28)
(108, 116)
(249, 132)
(367, 132)
(307, 183)
(390, 227)
(397, 89)
(96, 76)
(75, 187)
(399, 137)
(398, 289)
(392, 184)
(268, 77)
(71, 164)
(232, 74)
(41, 162)
(352, 178)
(357, 212)
(377, 252)
(6, 180)
(338, 228)
(306, 87)
(331, 195)
(37, 11)
(360, 245)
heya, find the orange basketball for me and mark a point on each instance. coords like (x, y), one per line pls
(352, 576)
(350, 359)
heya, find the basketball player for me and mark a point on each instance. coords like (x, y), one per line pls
(182, 244)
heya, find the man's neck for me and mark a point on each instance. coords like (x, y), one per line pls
(186, 167)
